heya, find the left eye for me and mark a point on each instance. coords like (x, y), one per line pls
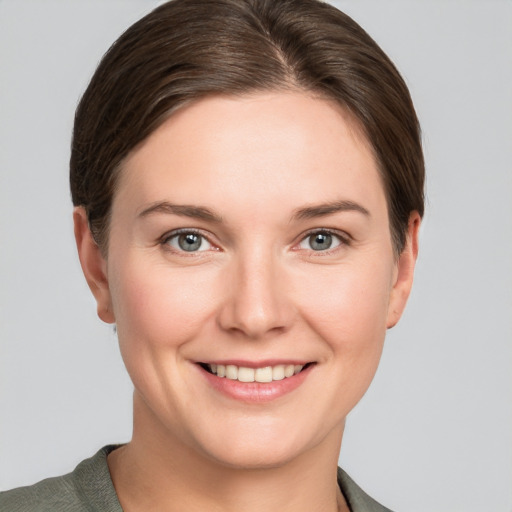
(189, 242)
(320, 241)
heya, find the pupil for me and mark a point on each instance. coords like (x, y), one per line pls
(189, 242)
(320, 241)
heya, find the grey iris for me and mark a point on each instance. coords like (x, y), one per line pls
(320, 241)
(189, 242)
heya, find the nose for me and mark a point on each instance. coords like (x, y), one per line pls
(257, 303)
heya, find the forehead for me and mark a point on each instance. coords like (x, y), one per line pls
(279, 146)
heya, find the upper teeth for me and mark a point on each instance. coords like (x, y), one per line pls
(265, 374)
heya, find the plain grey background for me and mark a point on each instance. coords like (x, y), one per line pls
(434, 433)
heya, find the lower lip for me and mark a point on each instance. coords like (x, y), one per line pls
(256, 392)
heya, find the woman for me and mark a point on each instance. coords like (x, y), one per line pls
(247, 178)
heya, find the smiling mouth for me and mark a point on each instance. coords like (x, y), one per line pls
(262, 375)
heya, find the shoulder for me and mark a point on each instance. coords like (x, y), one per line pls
(86, 489)
(357, 499)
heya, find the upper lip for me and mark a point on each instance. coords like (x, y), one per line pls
(256, 364)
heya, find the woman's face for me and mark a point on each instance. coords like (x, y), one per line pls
(249, 233)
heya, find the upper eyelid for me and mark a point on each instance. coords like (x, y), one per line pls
(175, 232)
(343, 235)
(164, 239)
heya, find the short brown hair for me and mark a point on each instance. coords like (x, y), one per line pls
(188, 49)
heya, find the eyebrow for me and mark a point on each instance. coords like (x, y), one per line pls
(321, 210)
(185, 210)
(203, 213)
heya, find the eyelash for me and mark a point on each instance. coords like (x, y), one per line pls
(164, 241)
(344, 240)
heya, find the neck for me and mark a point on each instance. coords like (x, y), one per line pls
(157, 472)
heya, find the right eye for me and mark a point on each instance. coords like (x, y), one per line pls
(188, 241)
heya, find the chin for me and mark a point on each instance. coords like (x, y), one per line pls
(259, 448)
(255, 457)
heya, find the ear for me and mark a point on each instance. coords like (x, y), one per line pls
(404, 272)
(94, 265)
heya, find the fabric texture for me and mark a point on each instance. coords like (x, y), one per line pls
(89, 488)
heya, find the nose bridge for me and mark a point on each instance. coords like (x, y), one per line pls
(257, 303)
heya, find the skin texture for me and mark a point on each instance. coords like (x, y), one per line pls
(256, 291)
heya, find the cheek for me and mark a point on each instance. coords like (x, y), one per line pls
(156, 306)
(351, 318)
(348, 307)
(158, 311)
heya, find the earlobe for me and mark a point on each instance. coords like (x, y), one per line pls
(404, 272)
(94, 265)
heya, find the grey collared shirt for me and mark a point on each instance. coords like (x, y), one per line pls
(89, 488)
